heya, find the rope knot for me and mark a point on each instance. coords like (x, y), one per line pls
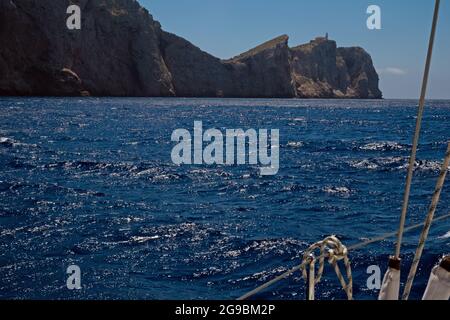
(338, 252)
(330, 248)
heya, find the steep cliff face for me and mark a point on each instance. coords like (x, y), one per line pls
(115, 53)
(321, 70)
(195, 73)
(122, 51)
(363, 78)
(264, 71)
(315, 70)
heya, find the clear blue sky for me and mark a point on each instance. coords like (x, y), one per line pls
(226, 28)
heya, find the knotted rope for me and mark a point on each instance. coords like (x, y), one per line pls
(356, 246)
(330, 248)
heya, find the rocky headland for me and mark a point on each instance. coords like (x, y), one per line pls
(122, 51)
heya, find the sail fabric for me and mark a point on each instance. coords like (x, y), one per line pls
(438, 285)
(390, 289)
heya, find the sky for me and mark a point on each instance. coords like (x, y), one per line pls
(225, 28)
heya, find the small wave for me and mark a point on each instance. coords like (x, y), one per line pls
(445, 236)
(11, 143)
(382, 146)
(428, 165)
(137, 239)
(145, 172)
(277, 246)
(199, 171)
(85, 165)
(396, 164)
(337, 190)
(11, 232)
(129, 220)
(364, 164)
(154, 172)
(224, 174)
(293, 187)
(167, 176)
(295, 144)
(190, 232)
(207, 272)
(6, 141)
(87, 247)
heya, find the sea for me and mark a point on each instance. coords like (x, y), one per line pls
(90, 182)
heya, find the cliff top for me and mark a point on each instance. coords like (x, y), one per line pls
(262, 47)
(313, 43)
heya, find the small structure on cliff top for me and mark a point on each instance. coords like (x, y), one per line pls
(322, 39)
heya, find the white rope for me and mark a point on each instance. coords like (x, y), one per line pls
(427, 224)
(412, 160)
(332, 249)
(356, 246)
(312, 279)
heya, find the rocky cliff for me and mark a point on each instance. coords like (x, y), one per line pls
(122, 51)
(321, 70)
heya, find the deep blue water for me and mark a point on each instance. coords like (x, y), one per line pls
(90, 182)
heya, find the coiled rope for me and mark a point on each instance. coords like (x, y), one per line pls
(356, 246)
(427, 224)
(333, 249)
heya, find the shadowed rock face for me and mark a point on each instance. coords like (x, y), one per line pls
(122, 51)
(264, 71)
(116, 52)
(195, 73)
